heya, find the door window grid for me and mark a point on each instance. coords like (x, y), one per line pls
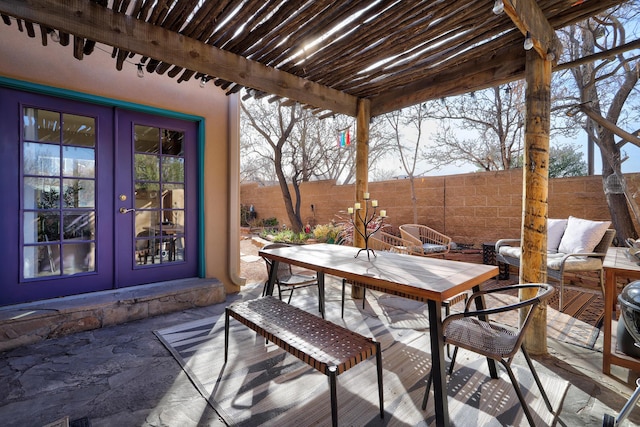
(58, 193)
(159, 196)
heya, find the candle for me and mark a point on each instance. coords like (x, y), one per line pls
(383, 213)
(350, 211)
(366, 196)
(357, 206)
(374, 203)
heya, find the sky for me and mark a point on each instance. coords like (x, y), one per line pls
(631, 165)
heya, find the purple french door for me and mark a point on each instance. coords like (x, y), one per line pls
(95, 198)
(155, 199)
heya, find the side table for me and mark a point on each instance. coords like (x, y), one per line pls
(616, 264)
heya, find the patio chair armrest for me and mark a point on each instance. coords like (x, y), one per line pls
(507, 242)
(548, 291)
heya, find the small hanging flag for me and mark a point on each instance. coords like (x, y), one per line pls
(344, 138)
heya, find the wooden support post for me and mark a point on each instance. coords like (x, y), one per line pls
(362, 173)
(535, 192)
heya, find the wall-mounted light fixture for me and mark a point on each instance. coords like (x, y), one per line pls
(528, 42)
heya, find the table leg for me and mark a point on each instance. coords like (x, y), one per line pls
(438, 363)
(321, 292)
(609, 295)
(273, 274)
(480, 305)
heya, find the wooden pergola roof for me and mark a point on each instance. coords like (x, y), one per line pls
(325, 54)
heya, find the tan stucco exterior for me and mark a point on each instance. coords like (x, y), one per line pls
(25, 59)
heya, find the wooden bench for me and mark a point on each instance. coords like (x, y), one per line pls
(323, 345)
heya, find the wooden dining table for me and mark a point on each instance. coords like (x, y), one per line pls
(431, 280)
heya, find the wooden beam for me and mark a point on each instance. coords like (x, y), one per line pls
(503, 66)
(535, 192)
(94, 22)
(528, 17)
(362, 176)
(362, 162)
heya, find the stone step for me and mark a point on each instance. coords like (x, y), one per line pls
(28, 323)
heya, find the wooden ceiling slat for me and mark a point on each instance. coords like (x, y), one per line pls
(78, 47)
(270, 33)
(200, 27)
(376, 42)
(241, 18)
(44, 35)
(266, 21)
(374, 56)
(301, 31)
(418, 34)
(30, 29)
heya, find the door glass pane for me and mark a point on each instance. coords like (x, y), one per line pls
(79, 225)
(58, 226)
(39, 261)
(147, 195)
(146, 139)
(41, 159)
(172, 142)
(41, 227)
(41, 193)
(78, 130)
(159, 188)
(173, 169)
(41, 125)
(78, 162)
(78, 258)
(147, 167)
(79, 193)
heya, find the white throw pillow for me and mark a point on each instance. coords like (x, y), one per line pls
(555, 230)
(582, 235)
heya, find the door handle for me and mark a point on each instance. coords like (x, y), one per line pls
(124, 210)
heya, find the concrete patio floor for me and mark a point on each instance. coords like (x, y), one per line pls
(123, 376)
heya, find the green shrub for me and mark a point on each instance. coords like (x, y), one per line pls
(327, 233)
(270, 222)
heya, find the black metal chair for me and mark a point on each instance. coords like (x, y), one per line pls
(474, 331)
(286, 277)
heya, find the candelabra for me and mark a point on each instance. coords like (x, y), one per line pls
(366, 219)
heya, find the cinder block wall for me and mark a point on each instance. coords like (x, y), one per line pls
(471, 208)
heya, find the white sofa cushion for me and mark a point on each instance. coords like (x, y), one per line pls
(510, 251)
(574, 263)
(554, 261)
(555, 230)
(582, 235)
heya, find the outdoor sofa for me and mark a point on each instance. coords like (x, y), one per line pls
(573, 245)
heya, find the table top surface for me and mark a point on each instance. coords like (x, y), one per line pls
(618, 259)
(431, 278)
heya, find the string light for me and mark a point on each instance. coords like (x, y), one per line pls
(54, 36)
(551, 56)
(528, 42)
(203, 81)
(498, 7)
(140, 70)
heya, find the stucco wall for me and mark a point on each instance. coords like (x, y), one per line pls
(25, 58)
(471, 208)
